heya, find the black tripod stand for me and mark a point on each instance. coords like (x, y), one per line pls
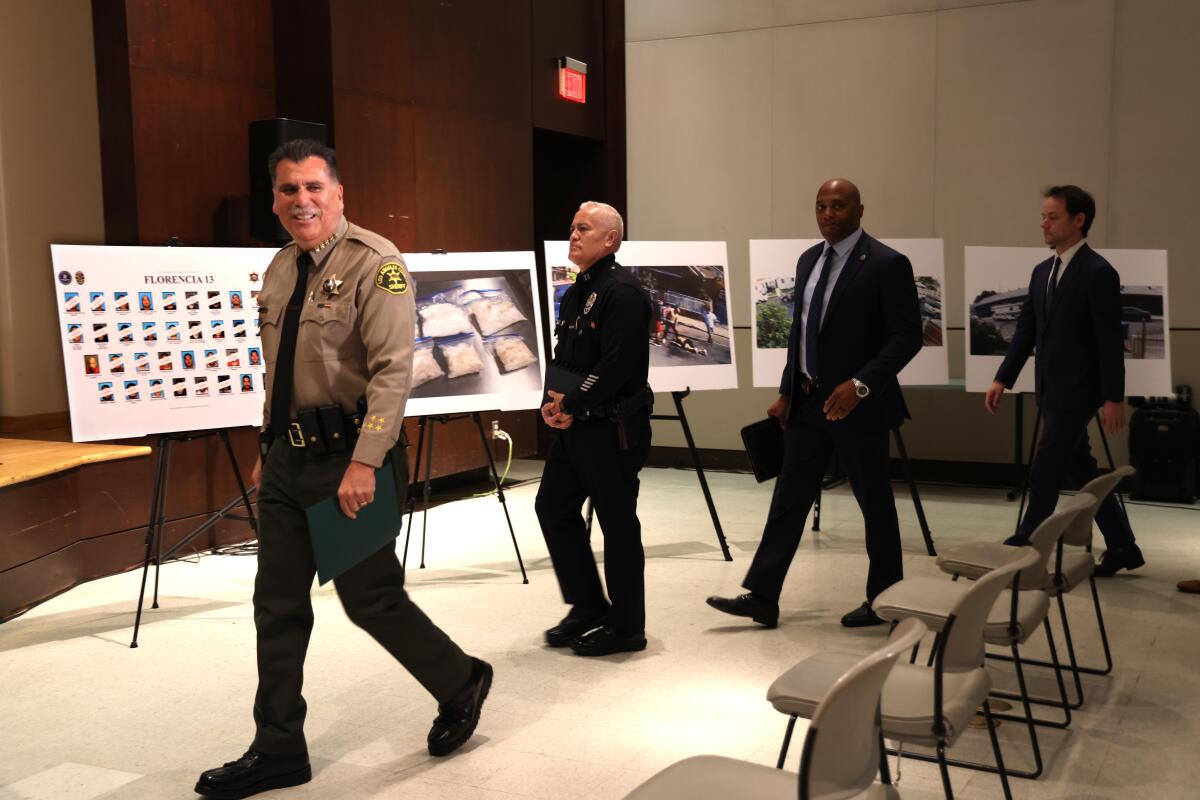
(425, 429)
(912, 488)
(158, 513)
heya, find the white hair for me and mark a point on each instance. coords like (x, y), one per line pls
(610, 215)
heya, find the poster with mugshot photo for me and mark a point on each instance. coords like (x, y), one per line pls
(157, 339)
(772, 306)
(690, 332)
(478, 333)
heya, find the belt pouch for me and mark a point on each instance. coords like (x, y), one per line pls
(333, 423)
(310, 429)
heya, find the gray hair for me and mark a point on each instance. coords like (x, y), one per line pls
(610, 215)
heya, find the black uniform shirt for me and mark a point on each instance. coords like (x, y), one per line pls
(601, 331)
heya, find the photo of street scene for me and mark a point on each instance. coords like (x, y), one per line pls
(774, 306)
(994, 314)
(689, 324)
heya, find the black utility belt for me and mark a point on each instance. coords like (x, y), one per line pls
(322, 430)
(624, 407)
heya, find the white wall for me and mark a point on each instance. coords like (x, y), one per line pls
(950, 115)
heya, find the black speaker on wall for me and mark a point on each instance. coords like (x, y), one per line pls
(265, 136)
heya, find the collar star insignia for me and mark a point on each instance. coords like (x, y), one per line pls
(332, 286)
(325, 243)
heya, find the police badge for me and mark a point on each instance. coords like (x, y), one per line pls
(591, 301)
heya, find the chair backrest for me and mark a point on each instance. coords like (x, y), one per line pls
(962, 643)
(1045, 537)
(841, 751)
(1079, 532)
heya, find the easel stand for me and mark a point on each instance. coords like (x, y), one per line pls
(912, 487)
(425, 429)
(158, 513)
(1037, 423)
(691, 444)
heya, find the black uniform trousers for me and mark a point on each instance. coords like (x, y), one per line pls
(1064, 453)
(586, 462)
(809, 442)
(372, 593)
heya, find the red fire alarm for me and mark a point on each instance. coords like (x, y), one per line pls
(572, 80)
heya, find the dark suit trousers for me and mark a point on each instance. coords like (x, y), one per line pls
(809, 441)
(586, 461)
(372, 593)
(1064, 455)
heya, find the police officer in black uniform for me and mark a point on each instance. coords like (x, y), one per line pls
(605, 424)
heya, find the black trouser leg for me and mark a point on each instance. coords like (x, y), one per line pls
(283, 616)
(611, 477)
(806, 452)
(559, 503)
(865, 459)
(1056, 454)
(372, 592)
(1110, 517)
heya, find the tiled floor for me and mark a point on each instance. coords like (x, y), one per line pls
(86, 717)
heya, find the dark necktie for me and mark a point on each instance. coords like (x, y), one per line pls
(285, 359)
(1053, 285)
(812, 324)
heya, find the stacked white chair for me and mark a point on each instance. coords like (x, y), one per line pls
(1073, 564)
(923, 705)
(843, 750)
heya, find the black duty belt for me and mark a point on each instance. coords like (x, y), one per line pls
(321, 431)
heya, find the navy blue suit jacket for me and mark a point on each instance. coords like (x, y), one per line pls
(1080, 348)
(871, 328)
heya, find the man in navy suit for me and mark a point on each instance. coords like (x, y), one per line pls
(857, 323)
(1072, 317)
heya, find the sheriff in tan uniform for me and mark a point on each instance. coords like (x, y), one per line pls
(337, 324)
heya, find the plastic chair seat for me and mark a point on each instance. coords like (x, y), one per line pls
(931, 600)
(1077, 567)
(975, 559)
(907, 700)
(702, 777)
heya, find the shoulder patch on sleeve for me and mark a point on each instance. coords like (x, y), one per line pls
(391, 278)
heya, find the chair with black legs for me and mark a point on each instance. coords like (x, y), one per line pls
(843, 750)
(922, 705)
(1015, 616)
(1073, 563)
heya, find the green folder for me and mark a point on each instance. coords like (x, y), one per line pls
(340, 542)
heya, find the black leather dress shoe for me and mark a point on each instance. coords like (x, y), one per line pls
(862, 617)
(1118, 559)
(456, 720)
(1017, 540)
(577, 623)
(759, 609)
(253, 773)
(605, 641)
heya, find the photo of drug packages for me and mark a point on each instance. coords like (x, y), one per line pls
(476, 334)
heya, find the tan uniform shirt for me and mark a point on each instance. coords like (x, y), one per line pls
(356, 333)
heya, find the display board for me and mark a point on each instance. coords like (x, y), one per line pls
(772, 289)
(691, 331)
(159, 339)
(479, 333)
(996, 282)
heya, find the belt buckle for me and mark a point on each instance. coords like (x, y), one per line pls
(295, 435)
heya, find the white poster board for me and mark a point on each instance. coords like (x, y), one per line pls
(691, 344)
(479, 333)
(996, 282)
(772, 285)
(159, 339)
